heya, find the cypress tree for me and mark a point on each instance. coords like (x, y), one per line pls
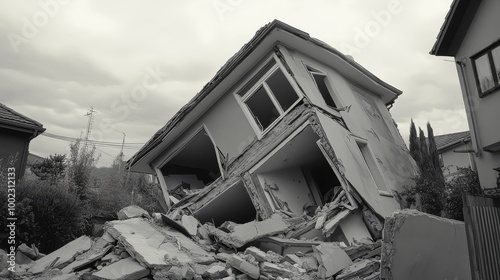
(433, 153)
(414, 145)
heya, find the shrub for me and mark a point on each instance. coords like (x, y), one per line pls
(48, 215)
(465, 181)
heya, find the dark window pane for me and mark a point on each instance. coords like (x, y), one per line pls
(323, 89)
(484, 73)
(496, 59)
(262, 108)
(257, 76)
(282, 89)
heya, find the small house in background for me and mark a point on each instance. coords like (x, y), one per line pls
(455, 150)
(288, 124)
(16, 132)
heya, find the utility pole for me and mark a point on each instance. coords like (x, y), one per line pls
(89, 114)
(120, 156)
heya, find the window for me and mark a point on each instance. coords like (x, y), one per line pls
(268, 95)
(372, 166)
(319, 79)
(487, 70)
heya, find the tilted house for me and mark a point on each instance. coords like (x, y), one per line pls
(288, 122)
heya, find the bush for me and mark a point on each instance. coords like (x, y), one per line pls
(465, 181)
(48, 215)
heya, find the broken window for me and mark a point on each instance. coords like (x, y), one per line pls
(268, 95)
(372, 165)
(321, 84)
(193, 167)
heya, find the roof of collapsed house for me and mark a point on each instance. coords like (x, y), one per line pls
(234, 61)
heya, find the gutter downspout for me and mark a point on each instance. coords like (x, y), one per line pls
(475, 142)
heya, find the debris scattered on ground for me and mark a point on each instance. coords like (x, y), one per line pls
(144, 247)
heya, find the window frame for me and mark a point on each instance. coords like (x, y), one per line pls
(313, 69)
(496, 80)
(242, 98)
(360, 141)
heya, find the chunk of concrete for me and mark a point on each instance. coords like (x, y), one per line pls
(275, 270)
(125, 269)
(331, 259)
(217, 272)
(241, 265)
(132, 211)
(374, 225)
(96, 252)
(245, 233)
(21, 258)
(361, 269)
(191, 224)
(29, 252)
(62, 256)
(155, 246)
(111, 257)
(422, 246)
(293, 259)
(257, 253)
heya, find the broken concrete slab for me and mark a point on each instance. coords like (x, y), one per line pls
(374, 225)
(274, 270)
(245, 233)
(191, 224)
(62, 256)
(125, 269)
(21, 258)
(285, 246)
(361, 269)
(156, 247)
(422, 246)
(293, 259)
(106, 236)
(241, 265)
(132, 211)
(331, 259)
(28, 251)
(330, 225)
(217, 272)
(96, 252)
(111, 257)
(173, 224)
(257, 253)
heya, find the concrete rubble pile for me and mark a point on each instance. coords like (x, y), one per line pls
(178, 246)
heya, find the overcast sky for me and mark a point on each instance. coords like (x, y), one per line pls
(137, 62)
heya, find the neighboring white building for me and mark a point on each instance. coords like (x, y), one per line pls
(471, 34)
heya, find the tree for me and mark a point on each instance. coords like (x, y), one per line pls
(81, 163)
(429, 183)
(414, 144)
(51, 169)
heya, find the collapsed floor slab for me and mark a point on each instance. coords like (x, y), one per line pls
(153, 246)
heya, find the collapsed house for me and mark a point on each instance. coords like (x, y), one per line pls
(287, 124)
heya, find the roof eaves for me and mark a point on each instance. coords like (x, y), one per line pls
(455, 27)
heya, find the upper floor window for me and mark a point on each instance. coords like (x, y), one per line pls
(487, 70)
(268, 95)
(320, 79)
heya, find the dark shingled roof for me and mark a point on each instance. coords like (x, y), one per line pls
(9, 117)
(448, 140)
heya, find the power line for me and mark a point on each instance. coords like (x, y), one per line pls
(96, 143)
